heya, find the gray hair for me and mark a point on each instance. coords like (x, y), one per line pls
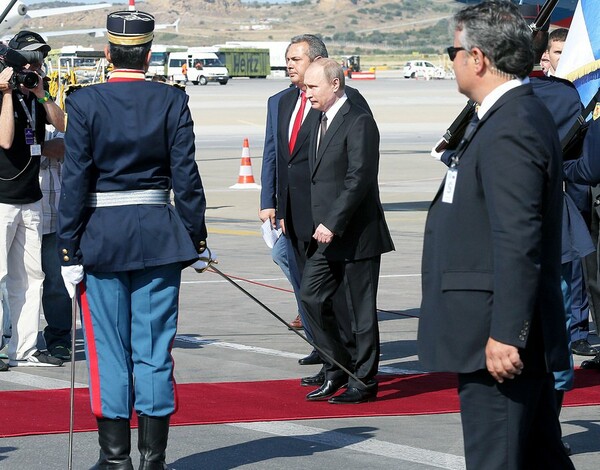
(316, 47)
(332, 70)
(498, 29)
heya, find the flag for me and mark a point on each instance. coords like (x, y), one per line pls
(580, 58)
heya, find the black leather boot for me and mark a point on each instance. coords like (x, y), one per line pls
(114, 437)
(153, 434)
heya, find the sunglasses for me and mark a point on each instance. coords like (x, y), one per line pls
(452, 51)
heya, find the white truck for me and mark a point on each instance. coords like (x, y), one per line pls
(202, 67)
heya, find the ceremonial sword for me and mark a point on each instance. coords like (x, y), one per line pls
(72, 387)
(320, 351)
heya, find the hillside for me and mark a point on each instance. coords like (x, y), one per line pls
(348, 26)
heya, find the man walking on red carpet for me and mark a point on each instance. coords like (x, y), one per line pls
(349, 235)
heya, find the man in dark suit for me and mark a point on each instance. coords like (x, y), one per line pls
(285, 173)
(349, 234)
(492, 308)
(586, 170)
(124, 154)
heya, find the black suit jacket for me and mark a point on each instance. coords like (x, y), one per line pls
(344, 186)
(293, 178)
(491, 259)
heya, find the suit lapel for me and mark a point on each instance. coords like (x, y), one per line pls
(307, 124)
(332, 129)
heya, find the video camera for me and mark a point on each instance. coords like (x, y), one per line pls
(18, 60)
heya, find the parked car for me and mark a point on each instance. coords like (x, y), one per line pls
(422, 68)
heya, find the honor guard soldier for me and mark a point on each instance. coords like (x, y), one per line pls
(123, 244)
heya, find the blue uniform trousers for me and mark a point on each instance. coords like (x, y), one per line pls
(129, 322)
(563, 380)
(580, 313)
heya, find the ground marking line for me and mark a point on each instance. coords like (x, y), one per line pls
(47, 383)
(275, 352)
(340, 440)
(44, 383)
(221, 281)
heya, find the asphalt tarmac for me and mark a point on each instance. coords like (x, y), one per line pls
(224, 336)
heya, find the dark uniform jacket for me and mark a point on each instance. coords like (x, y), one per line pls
(130, 136)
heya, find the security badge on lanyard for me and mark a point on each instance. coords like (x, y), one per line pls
(450, 184)
(452, 174)
(35, 149)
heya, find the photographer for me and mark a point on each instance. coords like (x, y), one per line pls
(25, 110)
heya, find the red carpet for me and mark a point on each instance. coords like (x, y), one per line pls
(47, 411)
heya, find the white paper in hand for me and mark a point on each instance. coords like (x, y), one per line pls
(270, 235)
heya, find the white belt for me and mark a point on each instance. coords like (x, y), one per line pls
(127, 198)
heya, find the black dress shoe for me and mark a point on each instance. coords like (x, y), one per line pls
(581, 347)
(329, 388)
(354, 395)
(592, 363)
(310, 360)
(313, 380)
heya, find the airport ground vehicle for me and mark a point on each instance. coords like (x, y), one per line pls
(245, 61)
(73, 67)
(159, 60)
(203, 67)
(276, 49)
(350, 63)
(422, 68)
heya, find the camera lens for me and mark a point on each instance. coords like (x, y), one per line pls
(27, 79)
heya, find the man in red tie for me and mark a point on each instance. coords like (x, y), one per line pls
(285, 177)
(297, 121)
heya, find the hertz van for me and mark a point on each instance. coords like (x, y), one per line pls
(202, 67)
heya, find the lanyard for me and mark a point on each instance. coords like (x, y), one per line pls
(30, 115)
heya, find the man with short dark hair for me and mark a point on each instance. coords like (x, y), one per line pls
(556, 42)
(492, 306)
(25, 111)
(129, 143)
(580, 194)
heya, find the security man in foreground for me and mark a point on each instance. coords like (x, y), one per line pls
(123, 244)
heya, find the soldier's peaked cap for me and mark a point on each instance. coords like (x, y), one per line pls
(130, 28)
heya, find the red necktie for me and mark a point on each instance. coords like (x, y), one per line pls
(297, 121)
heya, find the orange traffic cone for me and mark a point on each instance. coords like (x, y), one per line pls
(245, 179)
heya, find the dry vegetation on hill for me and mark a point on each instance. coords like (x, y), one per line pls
(348, 26)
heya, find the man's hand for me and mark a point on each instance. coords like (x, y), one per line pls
(38, 91)
(72, 275)
(323, 234)
(434, 153)
(282, 225)
(205, 259)
(502, 360)
(265, 214)
(5, 76)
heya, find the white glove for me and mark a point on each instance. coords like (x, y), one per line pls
(72, 275)
(437, 155)
(205, 259)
